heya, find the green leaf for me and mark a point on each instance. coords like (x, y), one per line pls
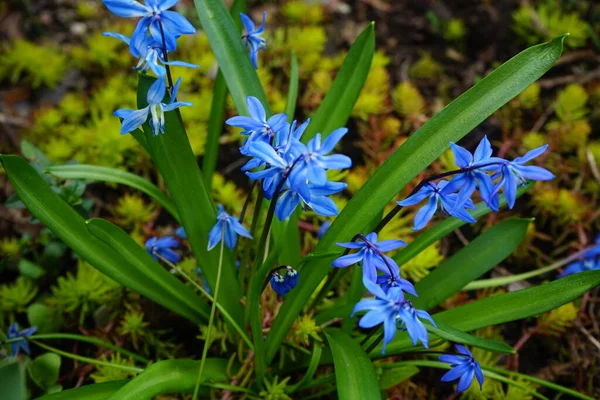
(30, 270)
(232, 56)
(12, 380)
(217, 112)
(170, 291)
(420, 150)
(171, 376)
(113, 175)
(444, 227)
(457, 336)
(177, 164)
(313, 364)
(44, 318)
(354, 373)
(394, 376)
(34, 154)
(44, 370)
(292, 97)
(71, 228)
(336, 107)
(98, 391)
(472, 261)
(508, 307)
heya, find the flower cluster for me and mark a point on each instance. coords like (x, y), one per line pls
(283, 283)
(479, 171)
(291, 172)
(589, 261)
(154, 37)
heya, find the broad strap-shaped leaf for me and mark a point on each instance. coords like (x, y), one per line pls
(354, 373)
(232, 56)
(336, 107)
(113, 175)
(71, 228)
(174, 291)
(469, 263)
(98, 391)
(176, 162)
(420, 150)
(451, 334)
(292, 97)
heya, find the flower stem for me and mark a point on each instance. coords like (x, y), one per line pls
(211, 318)
(165, 56)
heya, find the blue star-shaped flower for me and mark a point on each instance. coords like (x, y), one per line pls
(14, 333)
(438, 194)
(232, 228)
(257, 126)
(133, 119)
(253, 38)
(391, 309)
(163, 248)
(369, 254)
(153, 14)
(464, 368)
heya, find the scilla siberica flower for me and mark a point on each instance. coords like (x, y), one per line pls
(227, 227)
(153, 14)
(438, 194)
(150, 53)
(394, 312)
(132, 119)
(14, 333)
(282, 284)
(464, 368)
(253, 38)
(590, 261)
(163, 248)
(257, 126)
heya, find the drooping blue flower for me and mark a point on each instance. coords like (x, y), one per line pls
(438, 194)
(133, 119)
(257, 126)
(473, 177)
(14, 333)
(394, 312)
(464, 368)
(163, 248)
(291, 277)
(315, 198)
(283, 283)
(232, 228)
(253, 38)
(515, 173)
(153, 14)
(315, 161)
(151, 55)
(181, 233)
(369, 254)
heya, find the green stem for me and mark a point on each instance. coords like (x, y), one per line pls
(211, 318)
(86, 359)
(223, 311)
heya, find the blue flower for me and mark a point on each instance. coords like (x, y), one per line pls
(257, 126)
(464, 368)
(391, 309)
(232, 227)
(150, 53)
(163, 248)
(369, 254)
(515, 173)
(153, 14)
(132, 119)
(438, 194)
(282, 284)
(590, 261)
(14, 333)
(314, 197)
(252, 38)
(315, 160)
(472, 177)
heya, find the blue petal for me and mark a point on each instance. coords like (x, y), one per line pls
(389, 331)
(534, 173)
(371, 319)
(230, 236)
(336, 161)
(349, 259)
(330, 141)
(256, 109)
(117, 36)
(388, 245)
(277, 122)
(157, 91)
(479, 375)
(177, 104)
(214, 236)
(455, 372)
(166, 242)
(239, 228)
(176, 23)
(138, 44)
(286, 204)
(247, 123)
(510, 188)
(126, 8)
(266, 153)
(368, 304)
(483, 151)
(165, 4)
(531, 154)
(169, 255)
(462, 157)
(463, 350)
(416, 198)
(452, 359)
(465, 380)
(323, 206)
(247, 22)
(134, 120)
(425, 214)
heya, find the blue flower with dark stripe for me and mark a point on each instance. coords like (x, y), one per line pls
(163, 248)
(464, 368)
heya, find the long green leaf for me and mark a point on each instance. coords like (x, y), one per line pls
(474, 260)
(444, 227)
(217, 112)
(230, 52)
(420, 150)
(71, 228)
(113, 175)
(508, 307)
(336, 107)
(447, 332)
(177, 164)
(175, 295)
(292, 97)
(354, 373)
(98, 391)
